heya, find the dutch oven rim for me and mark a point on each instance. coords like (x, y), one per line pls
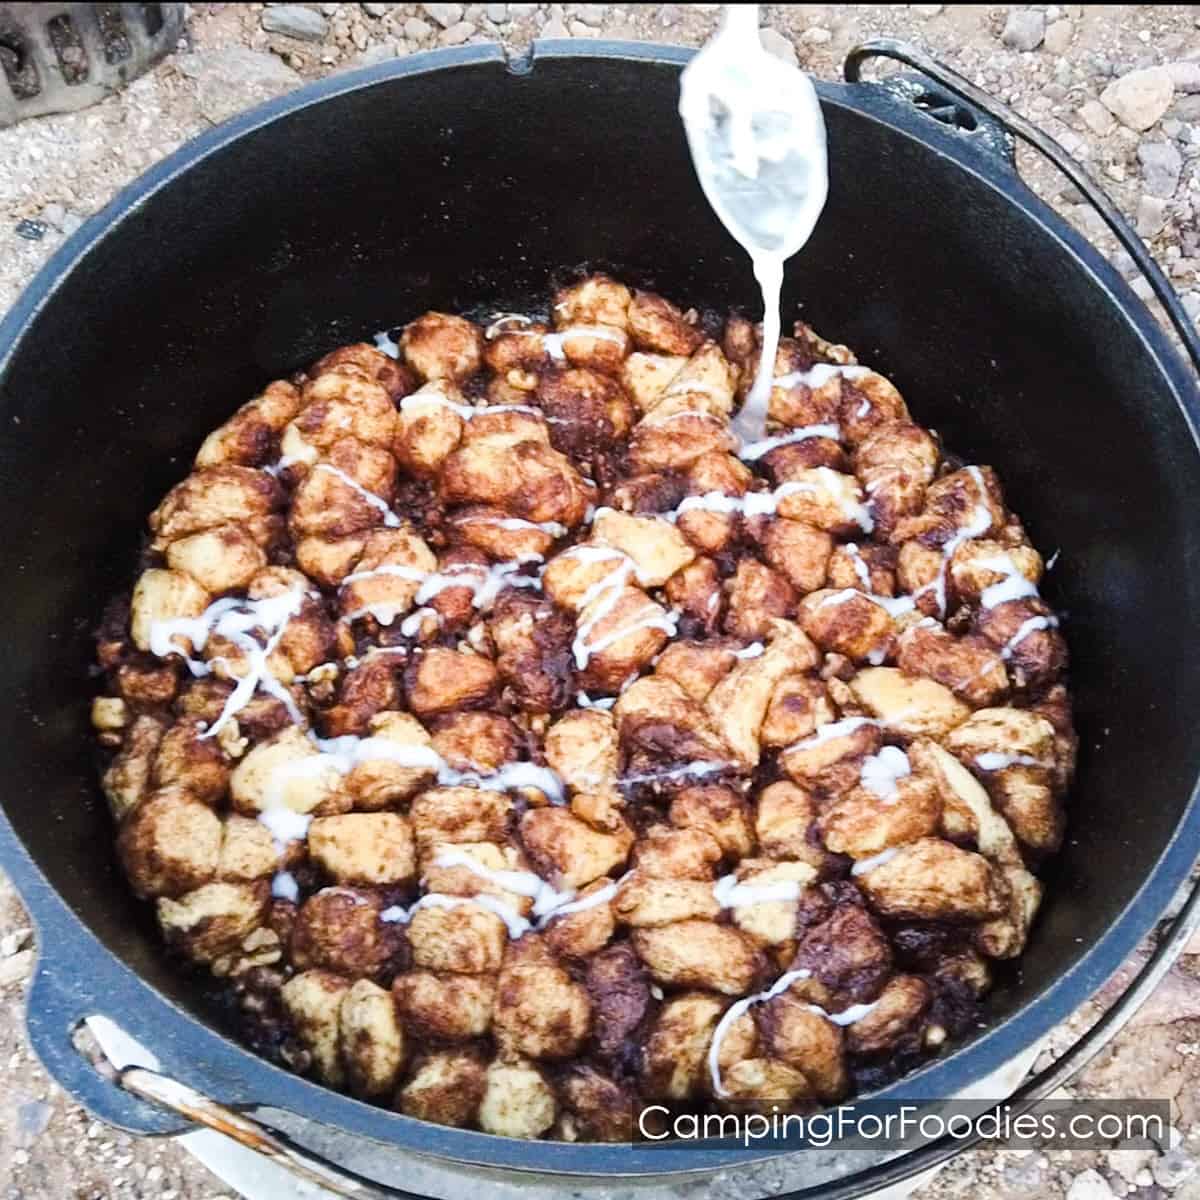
(217, 1063)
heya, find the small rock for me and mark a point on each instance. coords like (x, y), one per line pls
(589, 14)
(1191, 306)
(1142, 290)
(496, 13)
(31, 231)
(445, 15)
(1139, 98)
(927, 10)
(1161, 166)
(1089, 1185)
(1187, 108)
(70, 223)
(1058, 37)
(1129, 1164)
(53, 215)
(16, 968)
(816, 36)
(232, 79)
(1185, 76)
(417, 30)
(1151, 215)
(378, 53)
(521, 10)
(1024, 29)
(1090, 220)
(457, 34)
(555, 28)
(1073, 144)
(10, 943)
(33, 1117)
(773, 42)
(1096, 117)
(376, 10)
(1025, 1176)
(1172, 1169)
(295, 20)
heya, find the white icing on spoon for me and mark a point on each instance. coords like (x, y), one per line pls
(757, 138)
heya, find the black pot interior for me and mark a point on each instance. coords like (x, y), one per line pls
(453, 187)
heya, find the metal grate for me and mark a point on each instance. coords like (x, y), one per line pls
(60, 57)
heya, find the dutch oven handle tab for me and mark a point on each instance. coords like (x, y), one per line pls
(994, 114)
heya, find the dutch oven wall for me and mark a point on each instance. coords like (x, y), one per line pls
(442, 190)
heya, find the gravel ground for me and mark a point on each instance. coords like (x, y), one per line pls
(1066, 67)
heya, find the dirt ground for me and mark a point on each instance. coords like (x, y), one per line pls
(1053, 63)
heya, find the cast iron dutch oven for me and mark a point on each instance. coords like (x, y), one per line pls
(447, 178)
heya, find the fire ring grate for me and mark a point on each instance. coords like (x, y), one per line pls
(62, 57)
